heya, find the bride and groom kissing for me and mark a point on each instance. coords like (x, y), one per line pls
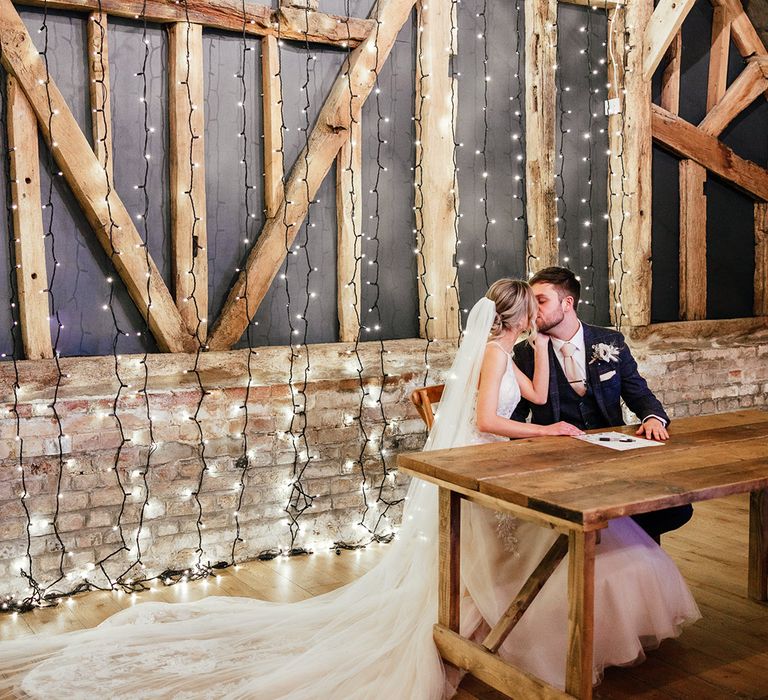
(591, 370)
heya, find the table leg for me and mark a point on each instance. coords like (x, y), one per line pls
(450, 537)
(758, 545)
(581, 599)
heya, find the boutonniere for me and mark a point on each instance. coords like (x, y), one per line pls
(604, 352)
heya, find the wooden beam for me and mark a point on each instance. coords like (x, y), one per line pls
(718, 58)
(489, 668)
(311, 4)
(540, 116)
(29, 239)
(670, 79)
(687, 141)
(258, 20)
(629, 171)
(527, 594)
(189, 240)
(449, 575)
(757, 588)
(349, 227)
(688, 334)
(73, 154)
(99, 90)
(742, 92)
(762, 63)
(345, 101)
(693, 241)
(272, 106)
(581, 604)
(595, 4)
(761, 259)
(664, 24)
(743, 32)
(435, 191)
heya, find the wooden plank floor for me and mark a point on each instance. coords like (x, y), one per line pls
(725, 655)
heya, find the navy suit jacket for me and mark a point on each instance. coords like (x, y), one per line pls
(625, 382)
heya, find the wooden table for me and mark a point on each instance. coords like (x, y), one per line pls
(576, 488)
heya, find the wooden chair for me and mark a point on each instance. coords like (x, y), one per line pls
(424, 399)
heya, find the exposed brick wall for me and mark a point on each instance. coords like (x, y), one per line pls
(707, 380)
(688, 381)
(91, 498)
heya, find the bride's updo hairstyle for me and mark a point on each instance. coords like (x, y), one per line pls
(515, 306)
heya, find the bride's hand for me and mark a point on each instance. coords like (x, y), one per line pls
(542, 341)
(562, 428)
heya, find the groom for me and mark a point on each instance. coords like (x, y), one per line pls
(590, 370)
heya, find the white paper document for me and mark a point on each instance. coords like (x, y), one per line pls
(618, 441)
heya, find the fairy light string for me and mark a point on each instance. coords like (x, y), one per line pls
(362, 323)
(617, 198)
(518, 138)
(376, 503)
(12, 603)
(384, 502)
(135, 560)
(200, 569)
(483, 152)
(586, 273)
(563, 119)
(455, 75)
(242, 462)
(99, 112)
(50, 236)
(300, 499)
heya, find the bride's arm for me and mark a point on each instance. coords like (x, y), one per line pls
(536, 391)
(491, 373)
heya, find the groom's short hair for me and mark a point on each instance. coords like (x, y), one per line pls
(562, 279)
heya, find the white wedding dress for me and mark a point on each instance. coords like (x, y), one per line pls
(640, 596)
(372, 638)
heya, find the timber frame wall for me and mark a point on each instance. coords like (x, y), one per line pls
(639, 37)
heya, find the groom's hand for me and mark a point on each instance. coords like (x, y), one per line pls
(653, 429)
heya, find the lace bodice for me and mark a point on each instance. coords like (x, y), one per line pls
(509, 397)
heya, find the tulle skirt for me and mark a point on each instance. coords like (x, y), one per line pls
(640, 595)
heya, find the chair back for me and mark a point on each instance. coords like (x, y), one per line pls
(424, 400)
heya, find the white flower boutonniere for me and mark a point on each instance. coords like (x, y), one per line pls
(603, 352)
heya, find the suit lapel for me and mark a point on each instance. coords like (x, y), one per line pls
(591, 367)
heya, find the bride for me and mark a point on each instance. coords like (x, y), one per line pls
(373, 637)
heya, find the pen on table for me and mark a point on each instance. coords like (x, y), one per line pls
(612, 439)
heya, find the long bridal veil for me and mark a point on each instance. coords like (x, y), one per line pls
(369, 639)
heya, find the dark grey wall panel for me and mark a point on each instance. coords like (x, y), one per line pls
(730, 251)
(388, 161)
(307, 75)
(493, 132)
(234, 156)
(582, 154)
(665, 243)
(697, 32)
